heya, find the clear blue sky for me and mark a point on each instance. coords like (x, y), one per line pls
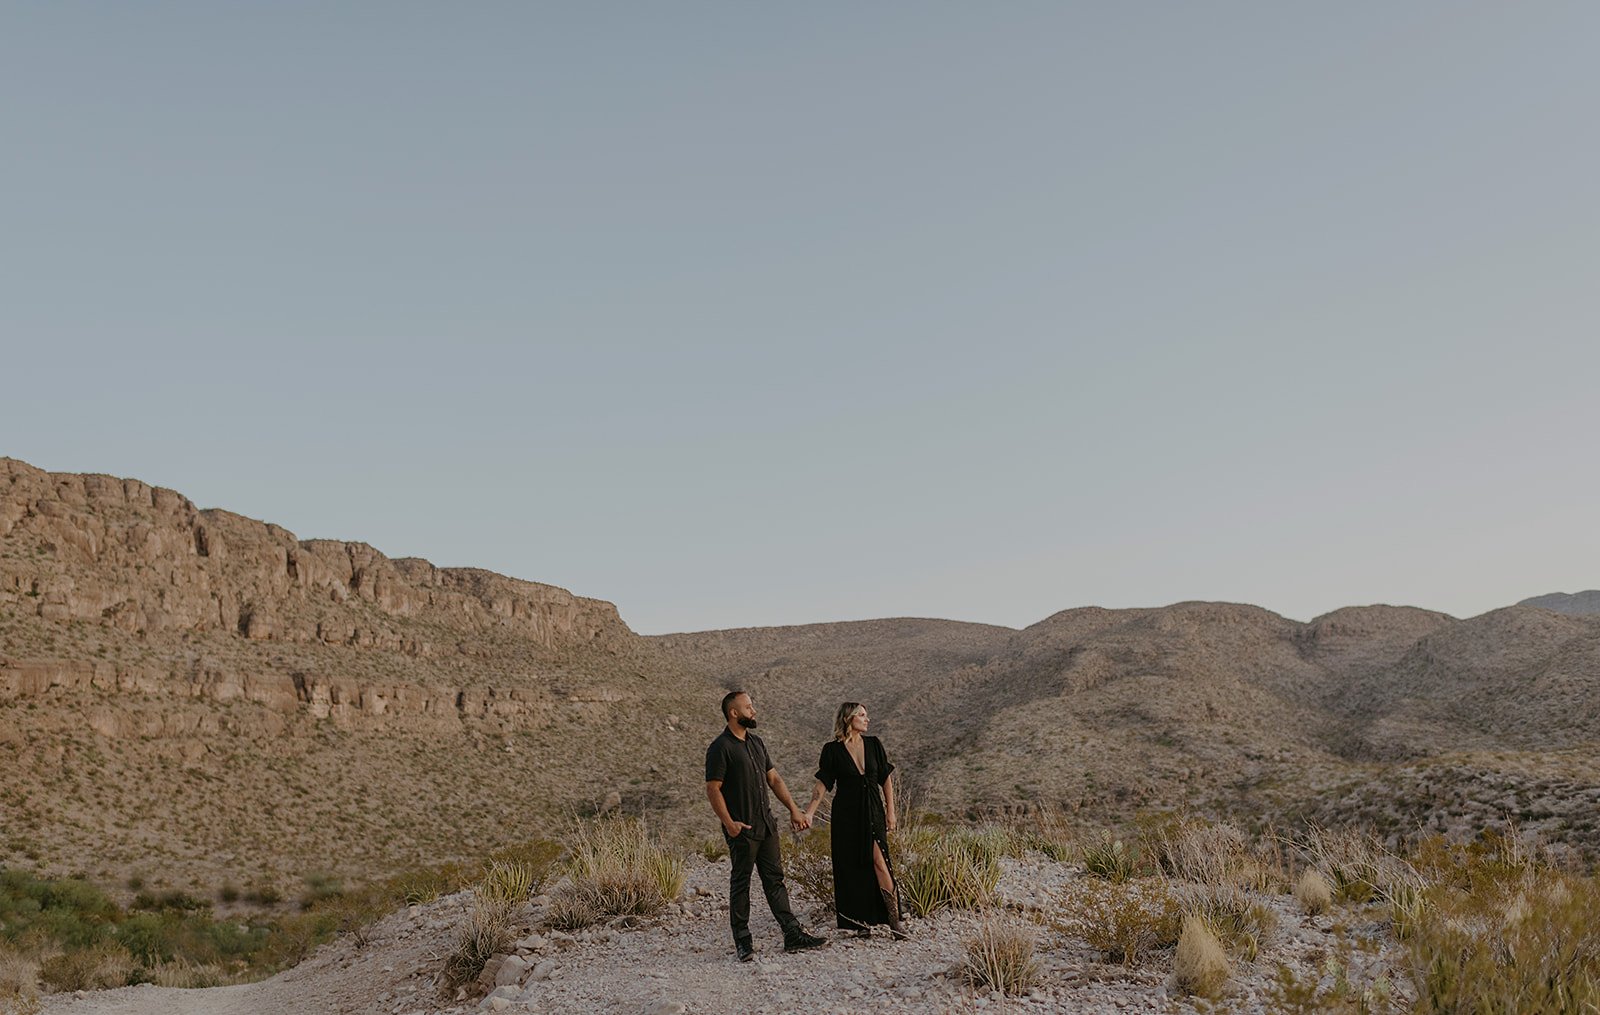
(740, 314)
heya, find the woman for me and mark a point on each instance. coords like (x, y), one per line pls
(863, 816)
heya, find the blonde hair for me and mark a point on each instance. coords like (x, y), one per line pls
(841, 722)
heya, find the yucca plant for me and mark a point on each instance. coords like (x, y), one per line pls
(1108, 858)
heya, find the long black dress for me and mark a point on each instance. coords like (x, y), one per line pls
(858, 822)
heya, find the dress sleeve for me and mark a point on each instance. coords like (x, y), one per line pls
(824, 773)
(716, 762)
(885, 769)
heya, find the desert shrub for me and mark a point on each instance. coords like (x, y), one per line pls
(70, 912)
(1239, 923)
(808, 865)
(617, 868)
(1199, 966)
(1519, 939)
(95, 968)
(1313, 892)
(1109, 858)
(1125, 921)
(486, 933)
(957, 870)
(1000, 956)
(229, 892)
(263, 895)
(320, 888)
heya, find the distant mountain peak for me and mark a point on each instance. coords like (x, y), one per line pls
(1576, 603)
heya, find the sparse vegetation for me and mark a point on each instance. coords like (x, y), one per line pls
(617, 868)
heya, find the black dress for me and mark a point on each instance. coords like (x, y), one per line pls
(858, 821)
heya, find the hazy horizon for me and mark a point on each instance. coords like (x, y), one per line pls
(741, 316)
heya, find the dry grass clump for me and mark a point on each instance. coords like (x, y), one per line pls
(1498, 932)
(19, 983)
(959, 869)
(1047, 830)
(99, 967)
(1200, 966)
(617, 868)
(1188, 849)
(1125, 922)
(187, 975)
(1359, 867)
(1313, 892)
(1109, 858)
(1000, 956)
(1239, 923)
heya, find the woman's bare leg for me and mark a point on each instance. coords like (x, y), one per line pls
(885, 882)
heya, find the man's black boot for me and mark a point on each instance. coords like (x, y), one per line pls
(799, 941)
(745, 949)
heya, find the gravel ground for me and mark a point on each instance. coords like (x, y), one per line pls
(683, 962)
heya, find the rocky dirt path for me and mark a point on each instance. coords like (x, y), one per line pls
(683, 963)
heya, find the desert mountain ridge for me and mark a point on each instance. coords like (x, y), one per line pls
(203, 693)
(1577, 603)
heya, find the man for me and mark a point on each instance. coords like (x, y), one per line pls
(738, 775)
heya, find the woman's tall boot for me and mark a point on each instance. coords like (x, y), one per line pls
(891, 905)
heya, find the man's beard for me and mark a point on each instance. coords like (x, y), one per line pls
(748, 724)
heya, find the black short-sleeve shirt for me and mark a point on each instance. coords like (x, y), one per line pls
(741, 766)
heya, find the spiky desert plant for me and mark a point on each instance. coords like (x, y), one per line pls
(1313, 892)
(509, 881)
(954, 870)
(485, 934)
(1000, 956)
(1109, 858)
(1200, 966)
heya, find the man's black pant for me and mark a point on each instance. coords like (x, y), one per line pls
(761, 854)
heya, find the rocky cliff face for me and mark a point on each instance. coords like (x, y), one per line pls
(144, 559)
(197, 690)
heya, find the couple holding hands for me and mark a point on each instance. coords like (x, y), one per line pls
(739, 775)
